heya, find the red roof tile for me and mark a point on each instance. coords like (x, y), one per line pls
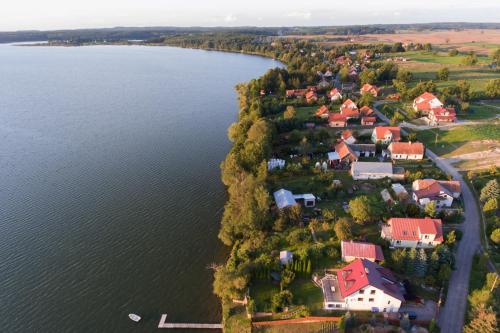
(381, 131)
(409, 148)
(361, 250)
(336, 117)
(345, 151)
(322, 111)
(412, 228)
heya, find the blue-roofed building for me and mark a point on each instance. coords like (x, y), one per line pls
(284, 198)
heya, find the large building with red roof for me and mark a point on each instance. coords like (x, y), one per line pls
(337, 120)
(426, 102)
(352, 250)
(349, 109)
(362, 286)
(406, 150)
(413, 232)
(442, 192)
(369, 89)
(442, 115)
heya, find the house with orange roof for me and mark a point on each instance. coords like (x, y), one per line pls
(322, 112)
(426, 102)
(347, 137)
(311, 96)
(362, 285)
(386, 134)
(349, 109)
(334, 95)
(366, 111)
(441, 115)
(368, 121)
(337, 120)
(442, 192)
(406, 150)
(352, 250)
(369, 89)
(413, 232)
(292, 93)
(346, 154)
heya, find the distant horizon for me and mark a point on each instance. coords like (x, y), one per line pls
(21, 15)
(222, 27)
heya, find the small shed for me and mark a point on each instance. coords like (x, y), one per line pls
(308, 199)
(400, 191)
(284, 198)
(275, 163)
(286, 257)
(386, 196)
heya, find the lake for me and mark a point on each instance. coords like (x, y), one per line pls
(110, 191)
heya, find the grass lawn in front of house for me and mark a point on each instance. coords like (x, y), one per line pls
(479, 111)
(305, 292)
(262, 292)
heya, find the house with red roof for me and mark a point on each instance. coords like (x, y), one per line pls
(413, 232)
(337, 120)
(386, 134)
(362, 285)
(322, 112)
(368, 121)
(311, 96)
(369, 89)
(442, 192)
(349, 109)
(334, 95)
(292, 93)
(347, 137)
(441, 115)
(366, 111)
(346, 154)
(406, 150)
(352, 250)
(426, 102)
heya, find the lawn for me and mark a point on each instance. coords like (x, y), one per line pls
(261, 292)
(307, 293)
(302, 113)
(324, 327)
(480, 111)
(457, 140)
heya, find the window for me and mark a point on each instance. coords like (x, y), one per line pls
(360, 299)
(398, 242)
(370, 299)
(361, 291)
(388, 302)
(337, 305)
(373, 292)
(426, 236)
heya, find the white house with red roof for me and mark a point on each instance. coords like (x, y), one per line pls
(349, 109)
(442, 192)
(334, 95)
(347, 137)
(386, 134)
(406, 150)
(352, 250)
(322, 112)
(362, 285)
(369, 89)
(426, 102)
(413, 232)
(337, 120)
(441, 115)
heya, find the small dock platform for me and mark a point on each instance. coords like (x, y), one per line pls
(164, 324)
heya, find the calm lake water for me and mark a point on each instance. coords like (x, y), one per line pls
(110, 192)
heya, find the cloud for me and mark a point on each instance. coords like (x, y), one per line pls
(230, 18)
(396, 13)
(301, 15)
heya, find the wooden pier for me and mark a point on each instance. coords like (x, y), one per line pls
(164, 324)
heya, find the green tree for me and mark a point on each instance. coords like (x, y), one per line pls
(495, 236)
(484, 321)
(444, 273)
(289, 112)
(430, 209)
(367, 76)
(428, 47)
(434, 263)
(490, 206)
(490, 190)
(411, 262)
(281, 300)
(344, 74)
(287, 277)
(365, 209)
(492, 88)
(343, 228)
(421, 263)
(463, 89)
(470, 59)
(398, 257)
(451, 238)
(443, 74)
(495, 56)
(453, 52)
(404, 76)
(366, 99)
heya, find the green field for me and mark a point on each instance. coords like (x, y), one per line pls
(480, 111)
(457, 139)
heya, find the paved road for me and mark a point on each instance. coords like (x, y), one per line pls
(451, 319)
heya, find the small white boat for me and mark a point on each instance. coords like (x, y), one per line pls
(134, 317)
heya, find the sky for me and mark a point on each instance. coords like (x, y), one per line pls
(72, 14)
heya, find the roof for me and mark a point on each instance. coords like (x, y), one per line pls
(284, 198)
(431, 188)
(322, 110)
(369, 119)
(368, 87)
(344, 151)
(398, 188)
(366, 111)
(336, 117)
(333, 156)
(412, 228)
(348, 104)
(409, 148)
(363, 147)
(361, 250)
(442, 113)
(382, 131)
(423, 102)
(346, 134)
(372, 168)
(334, 92)
(362, 273)
(310, 94)
(386, 196)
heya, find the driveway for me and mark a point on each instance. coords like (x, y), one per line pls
(425, 312)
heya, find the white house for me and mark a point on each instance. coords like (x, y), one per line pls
(362, 286)
(375, 170)
(442, 192)
(406, 150)
(426, 102)
(413, 232)
(386, 134)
